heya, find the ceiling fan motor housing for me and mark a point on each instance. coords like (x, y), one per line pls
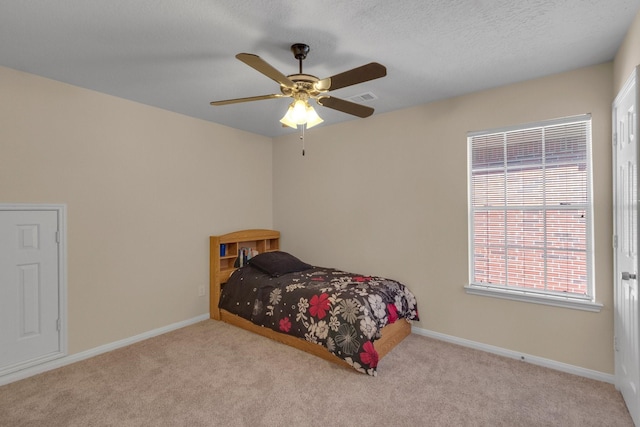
(303, 83)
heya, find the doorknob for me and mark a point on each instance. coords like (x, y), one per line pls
(626, 275)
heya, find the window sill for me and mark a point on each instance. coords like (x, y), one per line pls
(522, 296)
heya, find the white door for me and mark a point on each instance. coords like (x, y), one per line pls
(627, 327)
(29, 288)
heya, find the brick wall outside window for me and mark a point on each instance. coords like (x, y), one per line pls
(526, 262)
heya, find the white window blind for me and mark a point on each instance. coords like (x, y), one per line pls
(530, 208)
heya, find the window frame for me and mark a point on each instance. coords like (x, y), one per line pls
(554, 298)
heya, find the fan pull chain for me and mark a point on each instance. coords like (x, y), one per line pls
(302, 137)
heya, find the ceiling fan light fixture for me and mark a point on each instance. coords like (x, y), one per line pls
(299, 113)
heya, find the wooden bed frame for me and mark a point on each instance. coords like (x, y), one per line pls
(222, 260)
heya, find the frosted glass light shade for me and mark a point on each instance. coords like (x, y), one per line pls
(312, 117)
(299, 112)
(287, 119)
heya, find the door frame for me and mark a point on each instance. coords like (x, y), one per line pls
(61, 210)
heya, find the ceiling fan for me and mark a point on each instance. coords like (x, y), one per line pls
(302, 87)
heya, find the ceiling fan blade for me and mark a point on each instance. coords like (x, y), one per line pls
(257, 63)
(345, 106)
(364, 73)
(250, 98)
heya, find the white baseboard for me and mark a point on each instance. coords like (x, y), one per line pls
(540, 361)
(67, 360)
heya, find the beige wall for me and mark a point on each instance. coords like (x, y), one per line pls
(144, 189)
(628, 56)
(387, 195)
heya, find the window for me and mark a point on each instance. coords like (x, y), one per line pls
(531, 216)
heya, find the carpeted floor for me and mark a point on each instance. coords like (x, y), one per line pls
(214, 374)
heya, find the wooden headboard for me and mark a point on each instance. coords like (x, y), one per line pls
(221, 264)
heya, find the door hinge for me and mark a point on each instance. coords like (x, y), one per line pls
(615, 241)
(57, 236)
(615, 343)
(59, 324)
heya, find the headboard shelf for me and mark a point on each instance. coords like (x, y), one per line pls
(222, 262)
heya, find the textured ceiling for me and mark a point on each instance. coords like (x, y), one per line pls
(180, 55)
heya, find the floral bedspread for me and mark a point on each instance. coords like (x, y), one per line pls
(342, 311)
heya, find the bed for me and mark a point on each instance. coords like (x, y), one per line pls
(350, 319)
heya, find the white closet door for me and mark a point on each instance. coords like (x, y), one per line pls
(29, 287)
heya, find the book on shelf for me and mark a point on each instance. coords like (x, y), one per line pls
(244, 255)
